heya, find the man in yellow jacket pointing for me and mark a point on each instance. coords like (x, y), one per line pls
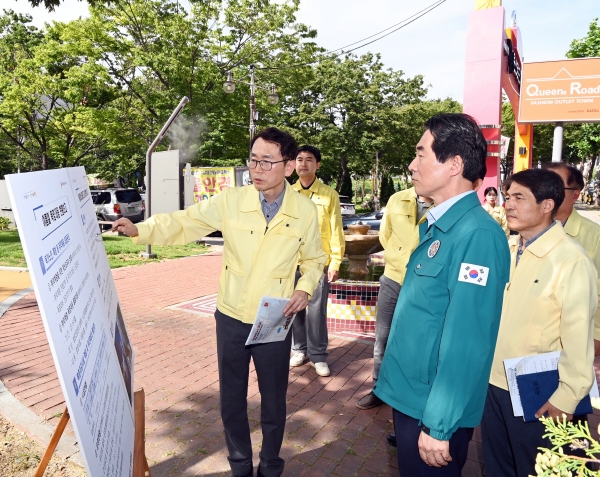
(269, 230)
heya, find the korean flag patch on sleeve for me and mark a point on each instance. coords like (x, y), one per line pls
(475, 274)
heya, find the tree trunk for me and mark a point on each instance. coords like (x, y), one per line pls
(343, 173)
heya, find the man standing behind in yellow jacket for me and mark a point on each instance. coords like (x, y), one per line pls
(268, 232)
(583, 230)
(310, 325)
(399, 235)
(549, 305)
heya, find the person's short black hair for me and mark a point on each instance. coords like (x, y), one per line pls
(312, 150)
(457, 134)
(574, 175)
(542, 183)
(490, 189)
(288, 147)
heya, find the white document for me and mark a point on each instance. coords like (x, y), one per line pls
(270, 324)
(532, 364)
(80, 311)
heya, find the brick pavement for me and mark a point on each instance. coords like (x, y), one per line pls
(176, 364)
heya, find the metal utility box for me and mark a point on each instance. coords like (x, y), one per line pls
(167, 182)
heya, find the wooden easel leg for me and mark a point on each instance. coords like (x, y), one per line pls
(60, 428)
(140, 464)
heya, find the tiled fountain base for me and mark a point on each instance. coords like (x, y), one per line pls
(352, 308)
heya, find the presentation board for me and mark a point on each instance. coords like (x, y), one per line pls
(78, 302)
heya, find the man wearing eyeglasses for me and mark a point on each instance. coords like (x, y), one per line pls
(583, 230)
(269, 230)
(310, 325)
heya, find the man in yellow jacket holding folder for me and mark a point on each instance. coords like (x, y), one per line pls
(549, 305)
(269, 230)
(582, 229)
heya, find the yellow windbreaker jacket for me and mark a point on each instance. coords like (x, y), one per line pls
(549, 305)
(399, 233)
(499, 215)
(327, 201)
(587, 233)
(258, 260)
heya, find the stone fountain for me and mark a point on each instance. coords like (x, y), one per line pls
(352, 302)
(359, 245)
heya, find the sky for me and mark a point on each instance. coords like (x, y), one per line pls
(433, 45)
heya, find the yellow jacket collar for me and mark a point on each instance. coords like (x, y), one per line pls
(546, 242)
(289, 206)
(314, 187)
(573, 224)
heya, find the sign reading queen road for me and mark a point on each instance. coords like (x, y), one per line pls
(79, 306)
(561, 91)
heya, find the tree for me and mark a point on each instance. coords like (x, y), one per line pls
(586, 137)
(344, 109)
(387, 189)
(139, 58)
(53, 104)
(346, 187)
(50, 5)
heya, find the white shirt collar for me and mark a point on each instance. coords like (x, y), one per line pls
(435, 213)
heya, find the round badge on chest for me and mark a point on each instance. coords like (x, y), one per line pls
(433, 249)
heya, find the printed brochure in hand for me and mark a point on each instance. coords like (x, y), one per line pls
(270, 323)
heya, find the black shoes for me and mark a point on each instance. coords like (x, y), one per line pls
(369, 401)
(391, 439)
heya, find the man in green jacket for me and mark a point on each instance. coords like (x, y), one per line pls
(438, 357)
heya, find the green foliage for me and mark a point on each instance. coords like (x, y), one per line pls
(586, 137)
(387, 189)
(554, 462)
(4, 222)
(96, 91)
(346, 188)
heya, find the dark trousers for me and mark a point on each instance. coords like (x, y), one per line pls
(410, 463)
(271, 361)
(510, 445)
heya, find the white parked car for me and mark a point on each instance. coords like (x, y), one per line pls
(112, 204)
(346, 205)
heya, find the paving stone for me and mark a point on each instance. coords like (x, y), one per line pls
(325, 433)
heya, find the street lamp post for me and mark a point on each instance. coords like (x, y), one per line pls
(151, 149)
(273, 99)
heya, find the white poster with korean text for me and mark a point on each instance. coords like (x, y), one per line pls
(78, 302)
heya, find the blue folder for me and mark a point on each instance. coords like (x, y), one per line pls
(536, 388)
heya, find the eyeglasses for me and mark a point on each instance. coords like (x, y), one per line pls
(571, 188)
(264, 165)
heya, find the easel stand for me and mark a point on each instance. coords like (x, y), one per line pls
(140, 463)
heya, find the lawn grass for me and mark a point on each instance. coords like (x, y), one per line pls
(11, 252)
(121, 251)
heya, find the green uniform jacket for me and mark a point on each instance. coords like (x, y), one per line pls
(439, 353)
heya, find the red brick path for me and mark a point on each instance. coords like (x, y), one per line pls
(326, 435)
(176, 364)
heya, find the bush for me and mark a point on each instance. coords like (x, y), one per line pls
(346, 188)
(4, 222)
(387, 189)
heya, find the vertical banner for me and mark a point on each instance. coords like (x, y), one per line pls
(78, 302)
(212, 180)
